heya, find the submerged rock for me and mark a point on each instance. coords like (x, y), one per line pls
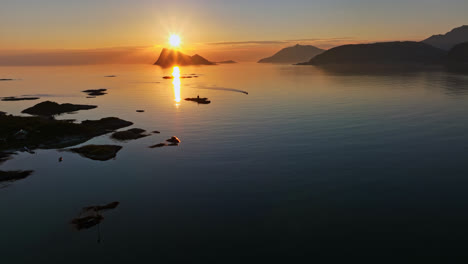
(49, 108)
(97, 208)
(92, 216)
(140, 111)
(198, 100)
(86, 222)
(95, 92)
(12, 98)
(98, 152)
(160, 145)
(110, 76)
(14, 175)
(134, 133)
(6, 80)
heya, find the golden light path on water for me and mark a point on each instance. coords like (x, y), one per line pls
(176, 83)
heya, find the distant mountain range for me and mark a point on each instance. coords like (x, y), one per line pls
(450, 49)
(383, 53)
(294, 54)
(226, 62)
(449, 40)
(171, 57)
(459, 54)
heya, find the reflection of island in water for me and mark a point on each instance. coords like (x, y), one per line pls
(176, 83)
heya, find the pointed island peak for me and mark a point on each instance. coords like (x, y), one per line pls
(172, 57)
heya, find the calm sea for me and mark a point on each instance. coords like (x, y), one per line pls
(309, 164)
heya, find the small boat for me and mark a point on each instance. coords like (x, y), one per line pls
(198, 100)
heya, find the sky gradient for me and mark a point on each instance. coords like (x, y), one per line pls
(220, 26)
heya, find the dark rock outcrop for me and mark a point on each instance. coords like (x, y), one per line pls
(295, 54)
(171, 57)
(98, 152)
(49, 108)
(450, 39)
(38, 132)
(174, 139)
(398, 53)
(107, 124)
(95, 92)
(134, 133)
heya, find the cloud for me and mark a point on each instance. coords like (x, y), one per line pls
(275, 42)
(250, 42)
(77, 56)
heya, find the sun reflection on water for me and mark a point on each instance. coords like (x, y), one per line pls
(176, 83)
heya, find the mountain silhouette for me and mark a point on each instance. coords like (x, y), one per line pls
(294, 54)
(382, 53)
(458, 54)
(171, 57)
(449, 40)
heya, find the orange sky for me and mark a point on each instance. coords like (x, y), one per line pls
(242, 30)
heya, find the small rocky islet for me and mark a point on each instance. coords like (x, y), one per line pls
(49, 108)
(98, 152)
(95, 92)
(173, 141)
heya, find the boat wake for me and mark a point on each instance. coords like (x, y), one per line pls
(222, 89)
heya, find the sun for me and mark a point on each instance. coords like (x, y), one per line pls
(174, 40)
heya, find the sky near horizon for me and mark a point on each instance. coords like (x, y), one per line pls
(209, 24)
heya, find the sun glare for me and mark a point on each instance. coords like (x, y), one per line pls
(174, 40)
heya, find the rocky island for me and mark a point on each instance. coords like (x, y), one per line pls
(172, 57)
(49, 108)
